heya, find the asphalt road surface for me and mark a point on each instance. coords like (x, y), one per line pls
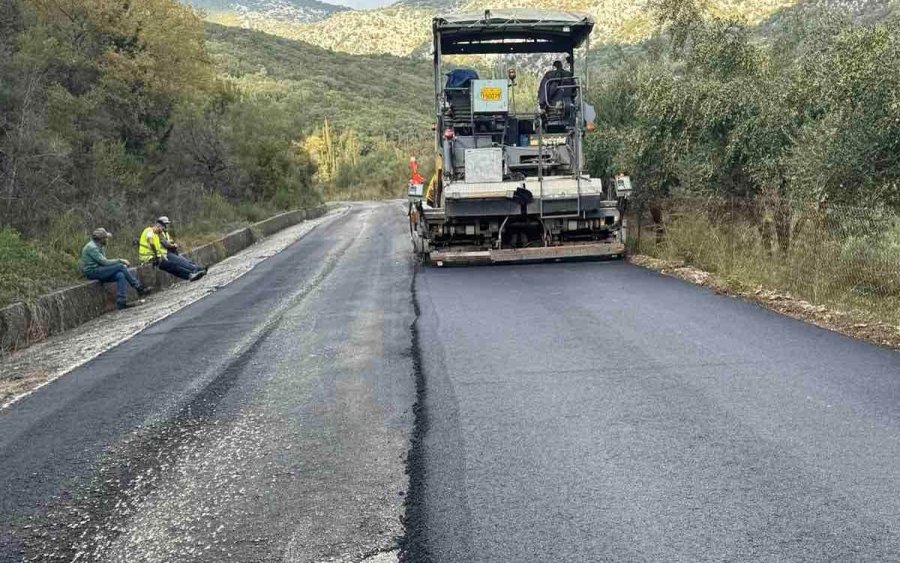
(567, 412)
(601, 412)
(267, 422)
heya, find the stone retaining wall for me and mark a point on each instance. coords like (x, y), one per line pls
(24, 324)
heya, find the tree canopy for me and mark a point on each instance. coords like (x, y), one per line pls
(711, 108)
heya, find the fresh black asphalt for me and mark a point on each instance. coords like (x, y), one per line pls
(566, 412)
(601, 412)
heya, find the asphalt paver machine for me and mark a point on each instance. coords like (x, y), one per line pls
(511, 186)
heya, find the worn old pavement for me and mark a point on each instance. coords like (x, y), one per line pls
(567, 412)
(267, 422)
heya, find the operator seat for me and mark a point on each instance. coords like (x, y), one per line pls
(557, 97)
(557, 86)
(457, 94)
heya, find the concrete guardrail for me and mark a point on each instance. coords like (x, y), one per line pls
(24, 324)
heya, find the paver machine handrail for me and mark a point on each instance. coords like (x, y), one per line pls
(509, 186)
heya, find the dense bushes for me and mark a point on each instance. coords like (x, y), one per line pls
(27, 269)
(111, 112)
(709, 108)
(351, 166)
(773, 159)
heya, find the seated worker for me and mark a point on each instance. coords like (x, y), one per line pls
(167, 242)
(549, 91)
(151, 249)
(96, 266)
(165, 238)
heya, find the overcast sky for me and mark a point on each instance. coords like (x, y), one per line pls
(362, 3)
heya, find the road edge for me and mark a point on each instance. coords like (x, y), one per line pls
(25, 324)
(846, 323)
(81, 361)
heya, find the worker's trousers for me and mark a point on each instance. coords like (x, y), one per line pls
(116, 273)
(179, 266)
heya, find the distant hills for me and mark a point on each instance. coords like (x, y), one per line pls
(397, 30)
(866, 11)
(403, 28)
(374, 95)
(253, 13)
(443, 5)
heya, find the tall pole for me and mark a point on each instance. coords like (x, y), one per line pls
(587, 71)
(437, 90)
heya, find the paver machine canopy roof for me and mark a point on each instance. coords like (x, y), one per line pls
(512, 31)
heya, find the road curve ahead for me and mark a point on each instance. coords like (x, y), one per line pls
(601, 412)
(267, 422)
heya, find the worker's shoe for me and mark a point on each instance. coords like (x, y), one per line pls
(122, 305)
(196, 275)
(143, 290)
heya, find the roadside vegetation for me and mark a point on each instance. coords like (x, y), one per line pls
(769, 159)
(361, 117)
(844, 257)
(113, 113)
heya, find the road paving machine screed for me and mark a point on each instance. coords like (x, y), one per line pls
(508, 186)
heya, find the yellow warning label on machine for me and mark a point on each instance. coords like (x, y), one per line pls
(491, 94)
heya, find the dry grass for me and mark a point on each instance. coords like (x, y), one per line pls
(844, 258)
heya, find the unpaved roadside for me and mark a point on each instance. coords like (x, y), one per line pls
(23, 372)
(882, 333)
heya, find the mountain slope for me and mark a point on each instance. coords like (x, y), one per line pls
(405, 27)
(397, 30)
(433, 4)
(374, 95)
(863, 11)
(249, 13)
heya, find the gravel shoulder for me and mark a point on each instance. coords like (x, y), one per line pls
(23, 372)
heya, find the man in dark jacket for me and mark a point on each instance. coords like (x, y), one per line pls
(551, 89)
(96, 266)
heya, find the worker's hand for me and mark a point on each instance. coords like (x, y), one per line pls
(125, 262)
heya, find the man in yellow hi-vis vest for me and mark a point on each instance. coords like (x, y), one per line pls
(155, 247)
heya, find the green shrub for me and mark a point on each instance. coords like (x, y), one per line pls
(29, 270)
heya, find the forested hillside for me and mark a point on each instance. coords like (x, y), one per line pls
(246, 12)
(361, 117)
(114, 113)
(403, 28)
(372, 94)
(812, 113)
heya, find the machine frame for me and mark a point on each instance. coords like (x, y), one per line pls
(540, 205)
